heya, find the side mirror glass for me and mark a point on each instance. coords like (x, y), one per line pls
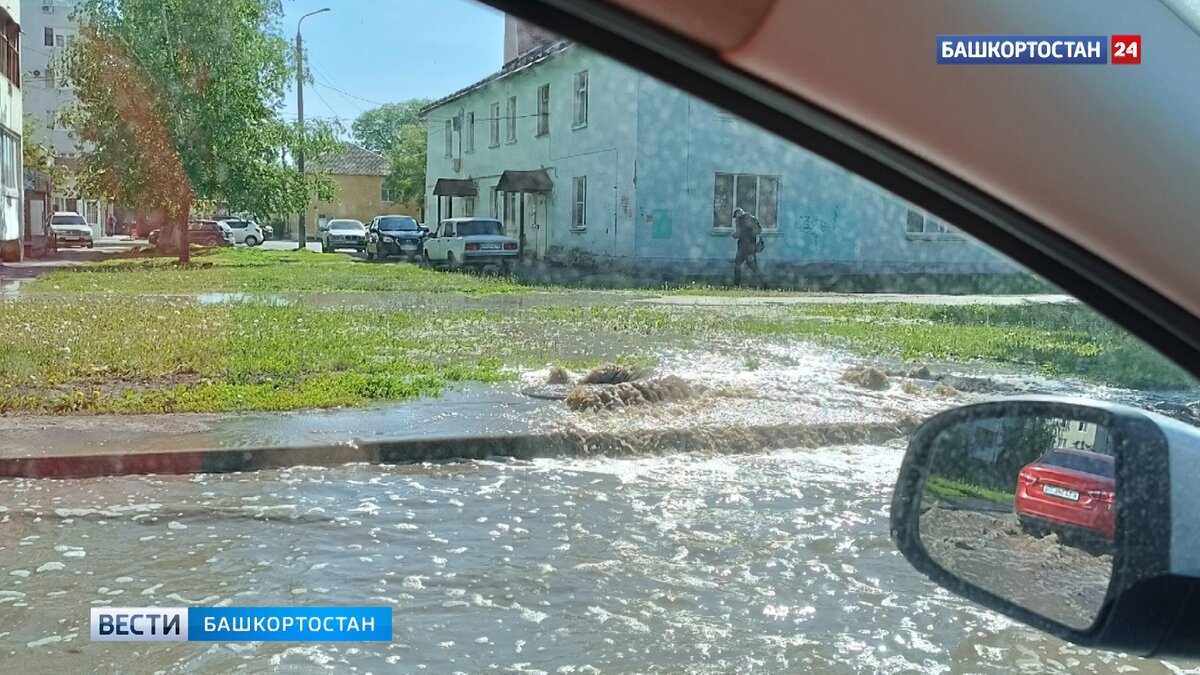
(1060, 513)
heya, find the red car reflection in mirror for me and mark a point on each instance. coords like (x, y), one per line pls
(1068, 490)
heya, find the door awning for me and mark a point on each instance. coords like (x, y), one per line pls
(525, 181)
(455, 187)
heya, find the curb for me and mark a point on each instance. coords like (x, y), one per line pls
(723, 440)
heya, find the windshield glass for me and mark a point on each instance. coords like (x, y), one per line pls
(67, 220)
(479, 227)
(398, 225)
(655, 428)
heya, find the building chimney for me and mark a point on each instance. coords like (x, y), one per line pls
(521, 36)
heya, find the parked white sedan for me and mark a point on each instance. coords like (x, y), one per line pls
(471, 242)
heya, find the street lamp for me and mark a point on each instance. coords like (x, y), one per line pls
(300, 119)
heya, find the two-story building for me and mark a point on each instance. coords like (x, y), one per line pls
(592, 163)
(360, 193)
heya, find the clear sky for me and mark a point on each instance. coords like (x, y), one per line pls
(390, 50)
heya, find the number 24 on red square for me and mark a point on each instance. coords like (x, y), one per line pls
(1126, 49)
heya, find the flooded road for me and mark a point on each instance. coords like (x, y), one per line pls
(771, 558)
(771, 562)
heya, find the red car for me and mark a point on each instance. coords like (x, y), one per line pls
(1068, 490)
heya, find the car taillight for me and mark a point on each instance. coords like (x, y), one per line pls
(472, 247)
(1105, 496)
(1027, 478)
(511, 246)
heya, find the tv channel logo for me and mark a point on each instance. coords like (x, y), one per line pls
(1039, 49)
(241, 624)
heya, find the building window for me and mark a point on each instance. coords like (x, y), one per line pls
(580, 117)
(495, 120)
(449, 130)
(59, 41)
(579, 203)
(11, 37)
(49, 37)
(11, 157)
(543, 110)
(468, 204)
(757, 195)
(386, 194)
(919, 226)
(510, 114)
(469, 142)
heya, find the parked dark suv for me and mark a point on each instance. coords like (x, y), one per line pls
(394, 236)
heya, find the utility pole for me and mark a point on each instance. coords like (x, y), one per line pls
(300, 120)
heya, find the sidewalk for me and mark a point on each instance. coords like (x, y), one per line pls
(67, 257)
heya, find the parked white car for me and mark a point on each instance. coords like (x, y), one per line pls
(244, 231)
(471, 242)
(68, 228)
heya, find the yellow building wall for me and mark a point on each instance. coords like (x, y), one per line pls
(357, 197)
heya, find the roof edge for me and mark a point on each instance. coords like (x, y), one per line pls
(520, 64)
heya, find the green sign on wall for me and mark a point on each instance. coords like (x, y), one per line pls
(660, 224)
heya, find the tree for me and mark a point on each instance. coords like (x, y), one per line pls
(176, 102)
(379, 129)
(407, 177)
(37, 154)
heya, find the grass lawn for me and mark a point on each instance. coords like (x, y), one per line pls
(98, 340)
(954, 489)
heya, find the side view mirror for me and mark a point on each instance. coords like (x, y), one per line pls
(1079, 518)
(424, 229)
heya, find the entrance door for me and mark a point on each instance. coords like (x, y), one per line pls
(536, 223)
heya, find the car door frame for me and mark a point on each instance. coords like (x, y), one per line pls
(698, 70)
(373, 236)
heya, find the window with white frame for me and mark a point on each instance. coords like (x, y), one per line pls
(917, 225)
(11, 156)
(386, 194)
(543, 110)
(754, 194)
(495, 120)
(469, 140)
(449, 133)
(580, 117)
(579, 203)
(510, 114)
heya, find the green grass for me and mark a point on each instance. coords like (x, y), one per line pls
(259, 271)
(85, 355)
(1055, 340)
(100, 340)
(954, 489)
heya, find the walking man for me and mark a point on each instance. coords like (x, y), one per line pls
(746, 230)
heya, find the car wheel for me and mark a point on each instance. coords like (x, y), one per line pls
(91, 245)
(1031, 528)
(325, 247)
(426, 260)
(252, 240)
(451, 263)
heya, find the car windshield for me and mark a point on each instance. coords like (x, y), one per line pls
(67, 220)
(469, 228)
(655, 428)
(397, 225)
(1098, 465)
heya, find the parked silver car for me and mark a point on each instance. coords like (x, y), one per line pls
(343, 233)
